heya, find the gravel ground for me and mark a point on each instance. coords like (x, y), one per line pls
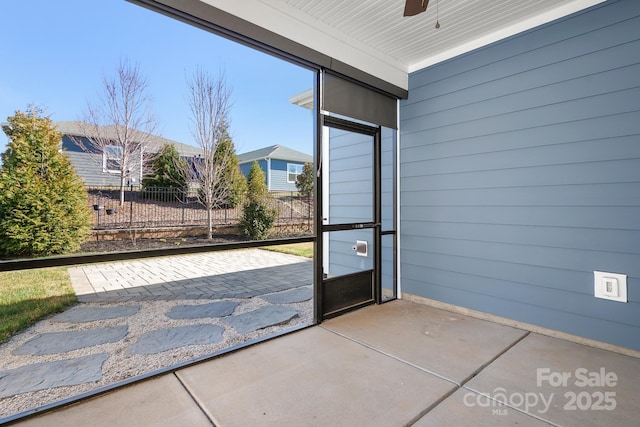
(121, 366)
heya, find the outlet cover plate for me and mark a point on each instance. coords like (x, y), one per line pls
(616, 289)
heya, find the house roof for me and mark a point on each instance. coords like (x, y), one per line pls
(278, 152)
(303, 99)
(373, 36)
(75, 128)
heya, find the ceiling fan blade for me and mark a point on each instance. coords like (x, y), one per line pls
(414, 7)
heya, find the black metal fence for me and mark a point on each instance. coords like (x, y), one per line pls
(159, 207)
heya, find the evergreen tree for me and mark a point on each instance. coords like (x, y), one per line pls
(257, 216)
(165, 170)
(166, 178)
(234, 179)
(304, 181)
(256, 183)
(43, 203)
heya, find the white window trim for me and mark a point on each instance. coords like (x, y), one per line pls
(105, 159)
(297, 166)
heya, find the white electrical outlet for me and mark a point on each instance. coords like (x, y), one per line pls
(611, 286)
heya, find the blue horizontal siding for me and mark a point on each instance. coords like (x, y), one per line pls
(388, 179)
(342, 257)
(350, 177)
(388, 273)
(520, 175)
(276, 178)
(530, 255)
(89, 168)
(612, 16)
(279, 176)
(616, 217)
(279, 181)
(350, 193)
(245, 168)
(579, 238)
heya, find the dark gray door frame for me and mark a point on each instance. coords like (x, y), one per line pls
(320, 310)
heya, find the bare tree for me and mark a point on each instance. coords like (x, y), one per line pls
(121, 125)
(209, 100)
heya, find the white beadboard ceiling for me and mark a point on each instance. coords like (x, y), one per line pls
(372, 35)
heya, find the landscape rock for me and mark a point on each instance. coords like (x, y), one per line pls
(79, 314)
(261, 318)
(289, 297)
(214, 309)
(170, 338)
(61, 342)
(40, 376)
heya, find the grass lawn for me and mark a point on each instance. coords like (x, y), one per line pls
(29, 295)
(300, 249)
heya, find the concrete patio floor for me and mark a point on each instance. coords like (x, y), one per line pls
(395, 364)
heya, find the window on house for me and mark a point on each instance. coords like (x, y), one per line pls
(111, 158)
(196, 165)
(293, 171)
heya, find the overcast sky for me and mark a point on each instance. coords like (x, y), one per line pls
(55, 54)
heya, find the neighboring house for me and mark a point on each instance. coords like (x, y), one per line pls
(103, 168)
(281, 166)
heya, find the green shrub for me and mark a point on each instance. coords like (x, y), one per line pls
(305, 181)
(167, 181)
(233, 181)
(43, 203)
(256, 183)
(257, 219)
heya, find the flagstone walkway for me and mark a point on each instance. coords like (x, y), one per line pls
(207, 291)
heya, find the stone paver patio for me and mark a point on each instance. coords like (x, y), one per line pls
(213, 275)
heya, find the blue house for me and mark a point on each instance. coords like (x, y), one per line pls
(281, 166)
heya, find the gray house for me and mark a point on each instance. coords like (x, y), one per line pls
(486, 164)
(98, 169)
(281, 166)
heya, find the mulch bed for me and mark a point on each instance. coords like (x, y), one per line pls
(93, 246)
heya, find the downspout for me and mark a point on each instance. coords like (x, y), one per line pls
(268, 159)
